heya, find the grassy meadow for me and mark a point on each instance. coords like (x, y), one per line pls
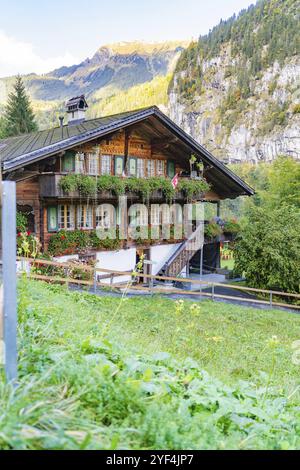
(150, 373)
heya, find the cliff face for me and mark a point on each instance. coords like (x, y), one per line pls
(256, 132)
(237, 90)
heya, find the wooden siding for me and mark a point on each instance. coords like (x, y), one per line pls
(28, 194)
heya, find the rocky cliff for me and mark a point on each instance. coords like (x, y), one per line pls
(242, 100)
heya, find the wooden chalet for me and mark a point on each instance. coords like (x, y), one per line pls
(141, 144)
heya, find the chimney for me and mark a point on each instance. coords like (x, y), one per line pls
(76, 108)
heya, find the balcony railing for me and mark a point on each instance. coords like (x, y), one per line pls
(50, 188)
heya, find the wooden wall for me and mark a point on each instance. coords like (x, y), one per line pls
(28, 194)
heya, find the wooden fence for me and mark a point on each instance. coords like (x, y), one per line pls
(135, 286)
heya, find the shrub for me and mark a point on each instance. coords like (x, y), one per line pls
(296, 108)
(231, 226)
(267, 249)
(21, 222)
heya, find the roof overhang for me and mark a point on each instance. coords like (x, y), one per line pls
(218, 169)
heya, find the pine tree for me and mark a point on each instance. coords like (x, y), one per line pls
(19, 117)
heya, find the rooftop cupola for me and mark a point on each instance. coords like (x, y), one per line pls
(76, 108)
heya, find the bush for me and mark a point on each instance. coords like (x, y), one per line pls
(267, 250)
(296, 108)
(231, 226)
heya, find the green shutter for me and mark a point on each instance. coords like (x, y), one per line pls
(52, 219)
(119, 165)
(68, 162)
(132, 166)
(171, 169)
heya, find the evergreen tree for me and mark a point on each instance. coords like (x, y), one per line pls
(19, 117)
(2, 128)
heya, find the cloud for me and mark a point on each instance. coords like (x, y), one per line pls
(20, 57)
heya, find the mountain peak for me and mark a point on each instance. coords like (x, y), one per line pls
(141, 47)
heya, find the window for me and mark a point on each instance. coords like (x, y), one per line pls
(84, 216)
(66, 217)
(93, 164)
(150, 168)
(155, 214)
(79, 163)
(132, 166)
(52, 219)
(119, 165)
(105, 164)
(105, 216)
(160, 167)
(138, 215)
(68, 162)
(140, 168)
(171, 169)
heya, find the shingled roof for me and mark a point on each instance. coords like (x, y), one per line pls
(18, 151)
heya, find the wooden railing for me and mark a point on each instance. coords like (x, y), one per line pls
(136, 276)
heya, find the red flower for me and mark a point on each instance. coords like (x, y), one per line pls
(19, 234)
(63, 237)
(28, 233)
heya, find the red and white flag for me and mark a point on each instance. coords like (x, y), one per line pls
(175, 181)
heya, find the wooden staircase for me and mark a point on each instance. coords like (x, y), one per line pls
(185, 252)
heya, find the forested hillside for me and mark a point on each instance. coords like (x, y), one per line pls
(118, 77)
(237, 88)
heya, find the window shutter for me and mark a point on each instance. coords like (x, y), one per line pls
(171, 169)
(132, 166)
(68, 162)
(119, 165)
(52, 219)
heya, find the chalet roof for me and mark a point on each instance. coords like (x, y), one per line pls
(17, 152)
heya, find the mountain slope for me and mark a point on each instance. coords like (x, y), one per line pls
(114, 69)
(237, 89)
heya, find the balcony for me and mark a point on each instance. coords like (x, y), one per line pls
(51, 187)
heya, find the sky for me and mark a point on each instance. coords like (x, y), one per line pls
(41, 35)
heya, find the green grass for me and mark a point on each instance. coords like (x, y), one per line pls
(104, 373)
(227, 264)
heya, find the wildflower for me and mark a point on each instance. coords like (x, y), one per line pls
(273, 341)
(194, 309)
(179, 306)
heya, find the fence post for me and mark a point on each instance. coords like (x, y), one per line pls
(95, 280)
(271, 299)
(9, 278)
(213, 291)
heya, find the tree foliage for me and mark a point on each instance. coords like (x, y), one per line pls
(18, 117)
(268, 250)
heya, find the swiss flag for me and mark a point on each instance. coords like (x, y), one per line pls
(175, 181)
